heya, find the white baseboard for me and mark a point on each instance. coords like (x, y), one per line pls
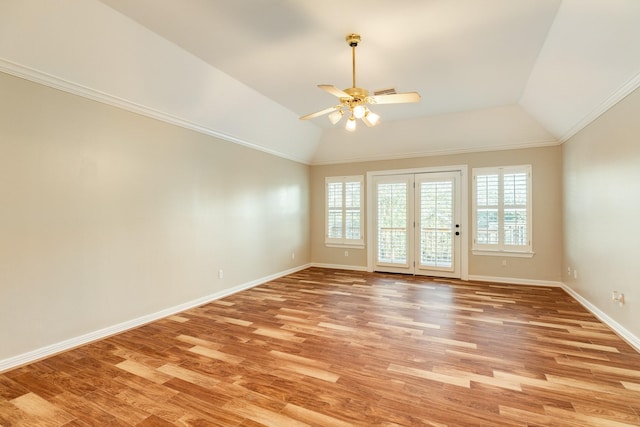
(515, 281)
(630, 338)
(625, 334)
(339, 266)
(50, 350)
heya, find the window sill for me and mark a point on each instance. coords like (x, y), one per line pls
(503, 253)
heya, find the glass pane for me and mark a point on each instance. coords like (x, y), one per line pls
(334, 223)
(515, 227)
(436, 221)
(352, 194)
(392, 223)
(487, 193)
(334, 195)
(515, 189)
(353, 224)
(515, 212)
(487, 226)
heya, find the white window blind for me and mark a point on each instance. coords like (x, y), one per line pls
(502, 209)
(436, 223)
(344, 210)
(515, 209)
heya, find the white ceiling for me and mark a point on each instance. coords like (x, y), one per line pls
(460, 55)
(492, 73)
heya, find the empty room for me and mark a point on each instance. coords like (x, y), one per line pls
(339, 213)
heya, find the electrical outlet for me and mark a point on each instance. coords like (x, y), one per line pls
(293, 255)
(220, 274)
(575, 274)
(569, 271)
(618, 297)
(504, 262)
(346, 253)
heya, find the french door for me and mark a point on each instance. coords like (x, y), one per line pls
(417, 223)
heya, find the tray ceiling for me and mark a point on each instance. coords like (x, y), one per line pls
(543, 68)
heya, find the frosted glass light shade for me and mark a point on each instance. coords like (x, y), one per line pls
(335, 116)
(351, 124)
(371, 119)
(359, 111)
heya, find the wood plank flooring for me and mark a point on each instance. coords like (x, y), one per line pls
(337, 348)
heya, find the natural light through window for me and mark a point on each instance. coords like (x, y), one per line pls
(344, 199)
(502, 210)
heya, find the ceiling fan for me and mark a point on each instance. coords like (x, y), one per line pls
(354, 100)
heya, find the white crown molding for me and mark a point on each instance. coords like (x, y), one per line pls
(433, 153)
(49, 80)
(622, 92)
(50, 350)
(624, 333)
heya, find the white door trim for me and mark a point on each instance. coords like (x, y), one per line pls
(465, 229)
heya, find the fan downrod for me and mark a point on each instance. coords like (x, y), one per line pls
(353, 40)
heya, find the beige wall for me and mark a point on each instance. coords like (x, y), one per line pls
(106, 216)
(601, 211)
(547, 216)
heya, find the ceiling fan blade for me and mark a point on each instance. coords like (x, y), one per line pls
(318, 113)
(334, 91)
(396, 98)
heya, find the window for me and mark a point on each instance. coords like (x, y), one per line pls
(344, 211)
(502, 210)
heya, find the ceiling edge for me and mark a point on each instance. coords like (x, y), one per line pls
(45, 79)
(623, 91)
(433, 153)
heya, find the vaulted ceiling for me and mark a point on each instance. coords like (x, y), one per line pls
(492, 73)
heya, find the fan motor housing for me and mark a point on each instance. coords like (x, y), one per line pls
(357, 92)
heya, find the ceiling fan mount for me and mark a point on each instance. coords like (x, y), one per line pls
(354, 100)
(353, 39)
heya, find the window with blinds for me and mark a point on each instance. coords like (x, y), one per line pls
(344, 210)
(502, 209)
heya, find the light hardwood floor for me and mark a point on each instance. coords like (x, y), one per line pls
(337, 348)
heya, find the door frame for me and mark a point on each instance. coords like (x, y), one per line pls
(465, 230)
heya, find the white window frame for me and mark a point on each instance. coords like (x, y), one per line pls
(500, 248)
(344, 241)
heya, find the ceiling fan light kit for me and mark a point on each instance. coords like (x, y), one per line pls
(351, 124)
(336, 116)
(354, 100)
(371, 119)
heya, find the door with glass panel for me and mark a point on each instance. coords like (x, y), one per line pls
(437, 219)
(417, 224)
(393, 219)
